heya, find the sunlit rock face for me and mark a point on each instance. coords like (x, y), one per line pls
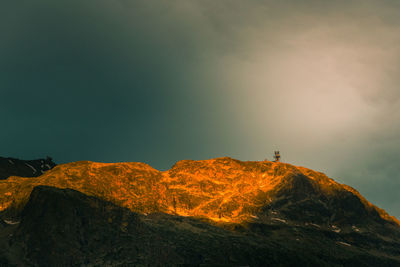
(222, 189)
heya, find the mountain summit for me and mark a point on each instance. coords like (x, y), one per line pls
(221, 189)
(220, 211)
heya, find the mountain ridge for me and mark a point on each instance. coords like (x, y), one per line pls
(206, 188)
(222, 211)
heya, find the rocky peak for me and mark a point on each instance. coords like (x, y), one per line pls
(221, 189)
(25, 168)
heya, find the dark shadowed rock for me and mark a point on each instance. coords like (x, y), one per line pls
(217, 212)
(63, 227)
(24, 168)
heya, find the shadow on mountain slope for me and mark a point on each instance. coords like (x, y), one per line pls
(64, 227)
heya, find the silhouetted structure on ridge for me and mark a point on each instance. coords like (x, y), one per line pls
(277, 156)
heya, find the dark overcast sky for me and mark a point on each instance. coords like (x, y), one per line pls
(161, 81)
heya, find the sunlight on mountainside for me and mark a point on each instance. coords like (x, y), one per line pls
(222, 189)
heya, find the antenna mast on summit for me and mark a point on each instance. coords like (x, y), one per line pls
(277, 156)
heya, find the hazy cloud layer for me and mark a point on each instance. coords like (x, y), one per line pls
(160, 81)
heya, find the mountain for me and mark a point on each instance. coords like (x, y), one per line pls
(63, 227)
(26, 168)
(222, 189)
(218, 211)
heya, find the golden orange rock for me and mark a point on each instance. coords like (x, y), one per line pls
(221, 189)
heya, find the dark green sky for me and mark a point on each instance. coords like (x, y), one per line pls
(161, 81)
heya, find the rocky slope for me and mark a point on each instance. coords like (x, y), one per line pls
(221, 189)
(63, 227)
(26, 168)
(218, 211)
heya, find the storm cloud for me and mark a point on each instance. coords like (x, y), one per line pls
(161, 81)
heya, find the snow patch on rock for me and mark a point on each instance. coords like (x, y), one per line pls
(11, 222)
(279, 220)
(336, 229)
(343, 243)
(30, 166)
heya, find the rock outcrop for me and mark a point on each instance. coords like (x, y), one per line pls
(25, 168)
(220, 211)
(222, 189)
(63, 227)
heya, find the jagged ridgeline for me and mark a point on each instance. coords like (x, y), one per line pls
(25, 168)
(217, 211)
